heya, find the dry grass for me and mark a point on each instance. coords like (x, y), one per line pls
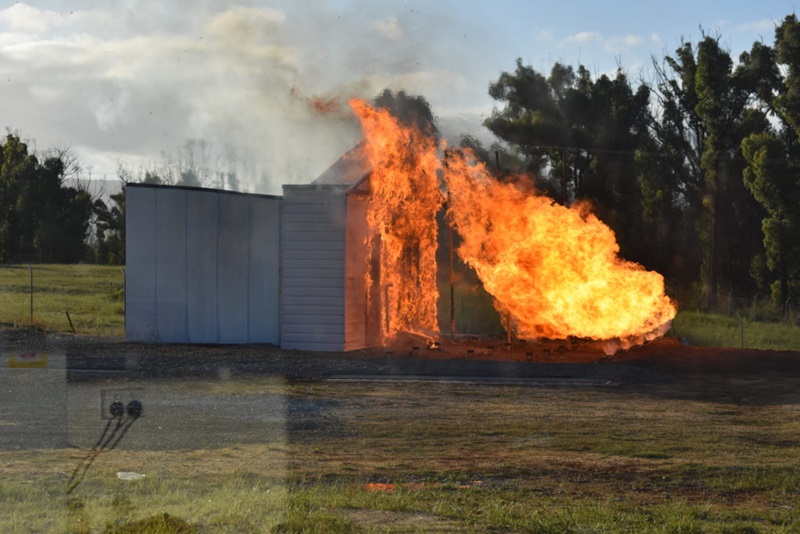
(655, 459)
(703, 455)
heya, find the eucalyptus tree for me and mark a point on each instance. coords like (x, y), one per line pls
(705, 108)
(773, 156)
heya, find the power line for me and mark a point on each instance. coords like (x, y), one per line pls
(613, 151)
(596, 150)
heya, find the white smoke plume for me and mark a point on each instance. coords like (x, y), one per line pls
(134, 81)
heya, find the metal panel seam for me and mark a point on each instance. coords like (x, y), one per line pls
(124, 271)
(280, 271)
(216, 259)
(281, 295)
(186, 267)
(155, 265)
(249, 255)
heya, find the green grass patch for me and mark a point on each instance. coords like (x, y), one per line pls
(345, 507)
(715, 330)
(163, 502)
(93, 295)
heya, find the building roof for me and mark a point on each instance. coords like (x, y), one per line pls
(349, 171)
(200, 189)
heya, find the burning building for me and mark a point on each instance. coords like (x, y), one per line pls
(349, 260)
(301, 271)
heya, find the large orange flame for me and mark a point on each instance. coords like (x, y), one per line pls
(402, 212)
(553, 271)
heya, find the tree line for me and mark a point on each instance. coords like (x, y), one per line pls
(696, 170)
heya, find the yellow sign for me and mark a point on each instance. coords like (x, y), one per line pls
(27, 360)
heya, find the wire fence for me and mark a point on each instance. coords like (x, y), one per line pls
(758, 308)
(728, 320)
(90, 299)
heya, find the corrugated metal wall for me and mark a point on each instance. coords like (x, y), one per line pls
(313, 268)
(203, 266)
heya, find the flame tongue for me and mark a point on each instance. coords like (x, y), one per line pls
(402, 212)
(553, 270)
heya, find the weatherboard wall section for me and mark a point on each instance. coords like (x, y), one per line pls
(313, 268)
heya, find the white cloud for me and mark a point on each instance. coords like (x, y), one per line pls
(11, 39)
(633, 40)
(45, 93)
(22, 17)
(389, 28)
(757, 26)
(655, 39)
(585, 37)
(612, 44)
(617, 44)
(544, 35)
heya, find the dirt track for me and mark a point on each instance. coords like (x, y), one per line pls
(658, 361)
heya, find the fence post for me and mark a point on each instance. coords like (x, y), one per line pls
(30, 270)
(741, 330)
(124, 289)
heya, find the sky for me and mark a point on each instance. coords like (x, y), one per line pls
(225, 85)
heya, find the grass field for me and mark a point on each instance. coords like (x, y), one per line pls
(716, 456)
(94, 297)
(565, 461)
(716, 330)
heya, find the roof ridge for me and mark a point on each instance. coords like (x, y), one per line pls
(350, 170)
